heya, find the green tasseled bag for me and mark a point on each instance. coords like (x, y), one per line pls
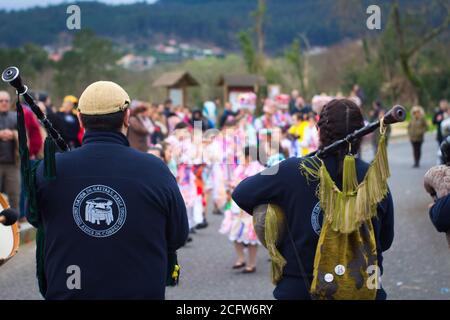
(347, 246)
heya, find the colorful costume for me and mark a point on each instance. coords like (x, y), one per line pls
(237, 223)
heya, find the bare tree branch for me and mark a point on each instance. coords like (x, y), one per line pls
(428, 37)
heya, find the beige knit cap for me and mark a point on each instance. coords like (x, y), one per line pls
(103, 97)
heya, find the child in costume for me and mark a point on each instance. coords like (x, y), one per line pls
(213, 177)
(310, 141)
(237, 223)
(183, 152)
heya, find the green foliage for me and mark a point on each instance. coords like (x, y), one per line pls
(210, 21)
(91, 59)
(369, 77)
(248, 51)
(392, 72)
(31, 59)
(294, 56)
(217, 21)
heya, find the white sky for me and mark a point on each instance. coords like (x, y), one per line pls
(23, 4)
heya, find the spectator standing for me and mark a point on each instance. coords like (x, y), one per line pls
(140, 129)
(9, 168)
(66, 122)
(416, 131)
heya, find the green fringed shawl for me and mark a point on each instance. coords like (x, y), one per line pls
(346, 210)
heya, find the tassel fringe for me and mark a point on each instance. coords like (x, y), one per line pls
(273, 229)
(346, 210)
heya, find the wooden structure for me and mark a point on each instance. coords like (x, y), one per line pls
(176, 84)
(235, 84)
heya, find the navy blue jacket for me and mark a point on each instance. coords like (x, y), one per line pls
(114, 213)
(440, 214)
(289, 189)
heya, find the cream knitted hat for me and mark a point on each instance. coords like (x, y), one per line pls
(103, 97)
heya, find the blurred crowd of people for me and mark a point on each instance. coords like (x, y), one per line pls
(209, 149)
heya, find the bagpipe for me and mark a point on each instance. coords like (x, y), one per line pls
(52, 142)
(9, 230)
(355, 201)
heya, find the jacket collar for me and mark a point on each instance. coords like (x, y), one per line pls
(105, 137)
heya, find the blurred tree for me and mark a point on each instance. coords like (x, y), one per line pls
(248, 51)
(409, 44)
(296, 58)
(254, 57)
(31, 59)
(90, 59)
(259, 16)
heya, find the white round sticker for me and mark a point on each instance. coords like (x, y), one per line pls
(328, 277)
(339, 269)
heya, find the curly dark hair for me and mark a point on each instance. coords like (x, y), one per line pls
(339, 118)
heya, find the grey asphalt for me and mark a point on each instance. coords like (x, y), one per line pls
(416, 267)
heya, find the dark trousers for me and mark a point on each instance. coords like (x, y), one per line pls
(417, 151)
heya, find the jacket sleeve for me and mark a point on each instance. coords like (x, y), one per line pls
(265, 187)
(177, 224)
(440, 214)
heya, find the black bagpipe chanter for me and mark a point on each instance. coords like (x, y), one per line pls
(9, 231)
(53, 141)
(11, 75)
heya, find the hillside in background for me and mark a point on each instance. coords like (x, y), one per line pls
(210, 21)
(407, 60)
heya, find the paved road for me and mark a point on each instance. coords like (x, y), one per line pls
(416, 267)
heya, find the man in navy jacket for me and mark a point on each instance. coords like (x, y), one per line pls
(113, 215)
